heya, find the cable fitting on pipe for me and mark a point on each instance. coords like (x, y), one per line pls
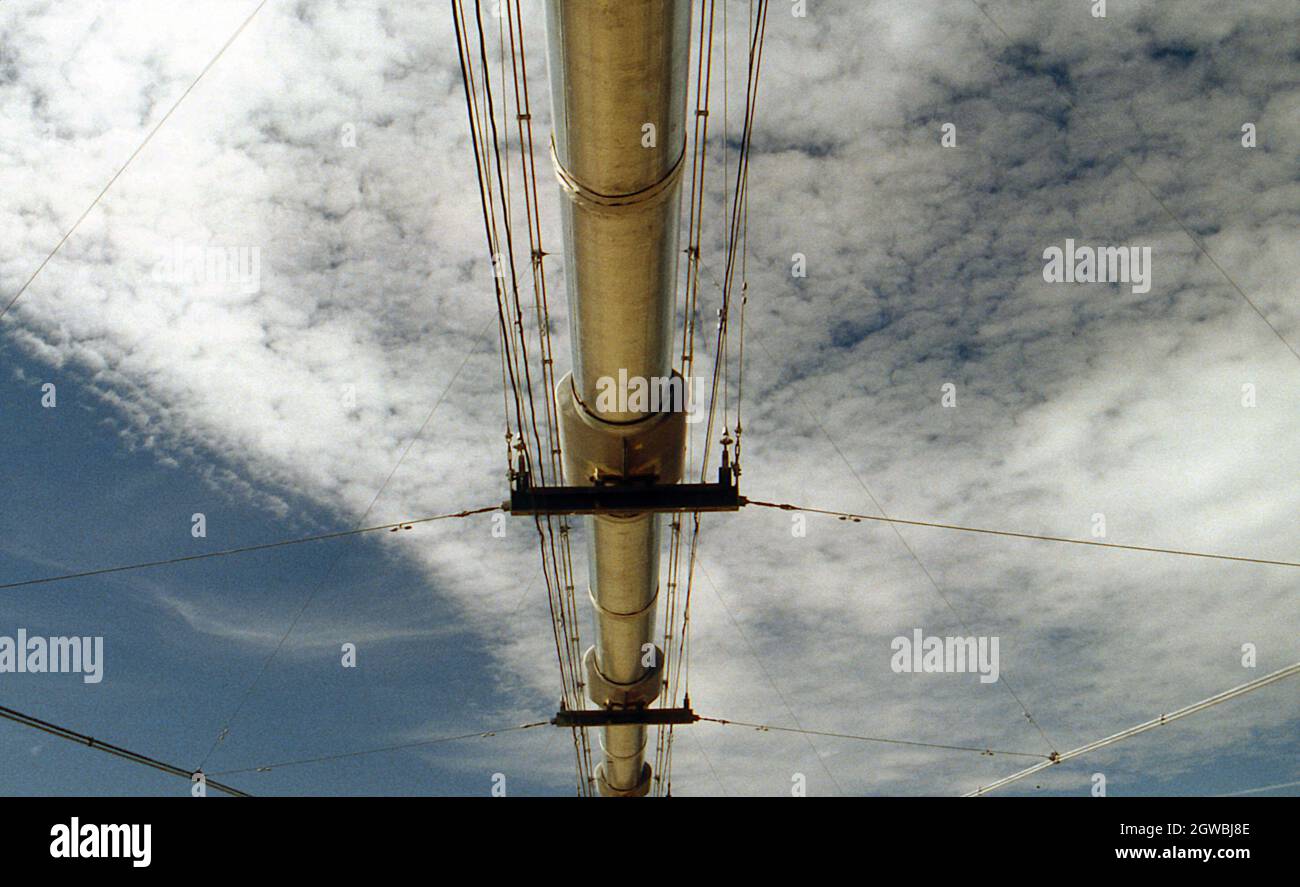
(640, 790)
(594, 449)
(641, 692)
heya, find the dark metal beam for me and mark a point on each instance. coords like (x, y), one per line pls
(605, 717)
(625, 499)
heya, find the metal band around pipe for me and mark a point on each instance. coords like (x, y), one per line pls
(597, 202)
(636, 754)
(640, 790)
(604, 611)
(641, 692)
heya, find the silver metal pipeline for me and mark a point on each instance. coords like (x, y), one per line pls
(618, 71)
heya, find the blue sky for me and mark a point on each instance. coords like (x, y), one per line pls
(281, 412)
(168, 689)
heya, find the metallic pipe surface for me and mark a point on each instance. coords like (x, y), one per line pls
(618, 67)
(623, 562)
(618, 73)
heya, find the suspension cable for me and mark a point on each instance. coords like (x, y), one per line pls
(491, 149)
(855, 518)
(770, 728)
(393, 527)
(100, 745)
(419, 743)
(676, 616)
(1160, 721)
(679, 677)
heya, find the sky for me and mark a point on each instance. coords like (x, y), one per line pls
(355, 378)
